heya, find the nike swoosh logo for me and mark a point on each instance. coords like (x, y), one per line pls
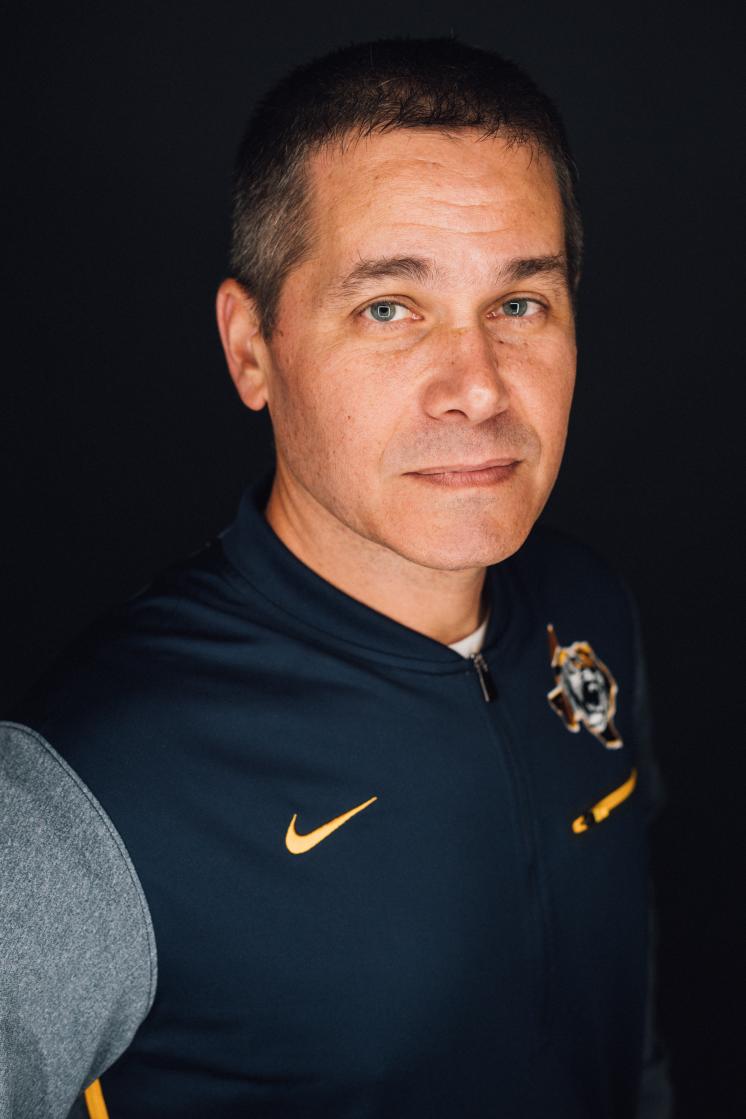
(297, 844)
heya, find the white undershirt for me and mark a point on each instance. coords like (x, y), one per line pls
(472, 643)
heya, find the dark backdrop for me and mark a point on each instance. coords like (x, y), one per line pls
(124, 444)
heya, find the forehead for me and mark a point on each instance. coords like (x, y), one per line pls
(425, 188)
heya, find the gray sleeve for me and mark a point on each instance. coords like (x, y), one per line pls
(77, 951)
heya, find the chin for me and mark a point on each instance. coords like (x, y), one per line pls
(462, 551)
(466, 534)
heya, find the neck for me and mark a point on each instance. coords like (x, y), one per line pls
(443, 605)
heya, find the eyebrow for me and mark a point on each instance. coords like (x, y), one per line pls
(424, 271)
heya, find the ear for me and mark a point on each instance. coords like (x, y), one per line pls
(245, 349)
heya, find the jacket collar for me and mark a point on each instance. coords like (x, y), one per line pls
(274, 572)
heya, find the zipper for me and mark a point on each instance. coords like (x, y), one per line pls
(501, 731)
(486, 683)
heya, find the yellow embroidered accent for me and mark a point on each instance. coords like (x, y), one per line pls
(94, 1099)
(601, 810)
(297, 844)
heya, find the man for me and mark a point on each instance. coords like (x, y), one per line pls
(345, 814)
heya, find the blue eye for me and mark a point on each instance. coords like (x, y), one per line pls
(516, 308)
(383, 310)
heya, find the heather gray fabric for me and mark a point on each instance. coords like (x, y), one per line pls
(77, 951)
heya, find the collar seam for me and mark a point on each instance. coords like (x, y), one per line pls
(429, 667)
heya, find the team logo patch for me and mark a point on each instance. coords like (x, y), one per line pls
(585, 691)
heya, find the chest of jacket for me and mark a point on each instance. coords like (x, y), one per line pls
(367, 886)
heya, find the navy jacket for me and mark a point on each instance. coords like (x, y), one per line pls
(472, 940)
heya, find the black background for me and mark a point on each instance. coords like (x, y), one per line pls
(124, 444)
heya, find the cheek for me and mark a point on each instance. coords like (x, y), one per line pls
(333, 409)
(543, 386)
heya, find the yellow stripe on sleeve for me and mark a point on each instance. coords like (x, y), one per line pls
(94, 1099)
(601, 810)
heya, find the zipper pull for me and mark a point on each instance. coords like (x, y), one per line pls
(486, 683)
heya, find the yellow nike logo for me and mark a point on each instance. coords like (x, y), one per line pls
(297, 844)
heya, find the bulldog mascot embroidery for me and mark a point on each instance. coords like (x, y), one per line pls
(585, 690)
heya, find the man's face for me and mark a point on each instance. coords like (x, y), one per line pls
(429, 332)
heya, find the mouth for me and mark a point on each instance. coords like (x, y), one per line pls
(487, 473)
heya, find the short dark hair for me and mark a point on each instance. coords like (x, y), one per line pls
(369, 87)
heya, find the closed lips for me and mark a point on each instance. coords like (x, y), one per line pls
(467, 467)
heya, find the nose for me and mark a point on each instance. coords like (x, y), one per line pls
(466, 382)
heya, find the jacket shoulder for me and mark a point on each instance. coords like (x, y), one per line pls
(110, 690)
(570, 579)
(559, 555)
(130, 645)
